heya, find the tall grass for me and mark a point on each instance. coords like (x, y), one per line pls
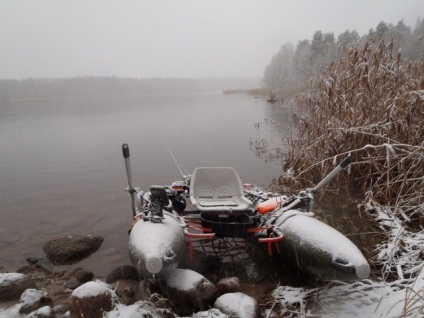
(370, 103)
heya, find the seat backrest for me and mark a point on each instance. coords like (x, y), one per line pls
(215, 183)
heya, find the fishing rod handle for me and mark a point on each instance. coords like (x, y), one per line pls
(126, 151)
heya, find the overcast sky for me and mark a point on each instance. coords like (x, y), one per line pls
(174, 38)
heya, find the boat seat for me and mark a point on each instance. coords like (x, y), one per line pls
(218, 189)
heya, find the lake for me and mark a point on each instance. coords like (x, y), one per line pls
(62, 171)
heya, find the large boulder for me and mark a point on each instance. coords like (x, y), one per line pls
(70, 249)
(238, 305)
(190, 291)
(92, 299)
(12, 285)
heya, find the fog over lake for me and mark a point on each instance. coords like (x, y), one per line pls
(62, 169)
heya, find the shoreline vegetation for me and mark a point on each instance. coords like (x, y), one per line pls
(370, 104)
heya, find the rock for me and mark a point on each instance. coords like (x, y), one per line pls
(41, 262)
(228, 285)
(78, 277)
(238, 305)
(33, 299)
(72, 284)
(211, 313)
(201, 262)
(83, 276)
(12, 285)
(150, 286)
(139, 309)
(122, 272)
(43, 312)
(91, 299)
(32, 260)
(70, 249)
(60, 310)
(190, 291)
(128, 291)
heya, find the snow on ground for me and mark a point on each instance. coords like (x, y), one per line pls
(360, 299)
(133, 311)
(10, 312)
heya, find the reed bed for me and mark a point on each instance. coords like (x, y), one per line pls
(369, 104)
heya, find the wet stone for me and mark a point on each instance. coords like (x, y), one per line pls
(12, 285)
(83, 276)
(70, 249)
(228, 285)
(122, 272)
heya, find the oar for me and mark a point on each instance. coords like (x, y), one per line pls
(309, 193)
(332, 174)
(130, 189)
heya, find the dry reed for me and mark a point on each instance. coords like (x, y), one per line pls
(370, 103)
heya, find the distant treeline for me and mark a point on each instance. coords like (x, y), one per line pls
(291, 66)
(104, 87)
(90, 87)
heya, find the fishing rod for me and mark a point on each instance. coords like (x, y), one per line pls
(185, 176)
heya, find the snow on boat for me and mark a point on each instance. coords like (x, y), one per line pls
(156, 248)
(318, 249)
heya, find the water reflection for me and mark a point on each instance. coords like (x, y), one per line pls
(62, 169)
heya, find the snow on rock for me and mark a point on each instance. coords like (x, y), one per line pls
(211, 313)
(237, 305)
(12, 285)
(136, 310)
(43, 312)
(190, 291)
(32, 299)
(91, 300)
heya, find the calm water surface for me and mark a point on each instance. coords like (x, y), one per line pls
(62, 172)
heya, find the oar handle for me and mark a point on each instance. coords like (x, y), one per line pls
(126, 151)
(332, 174)
(126, 154)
